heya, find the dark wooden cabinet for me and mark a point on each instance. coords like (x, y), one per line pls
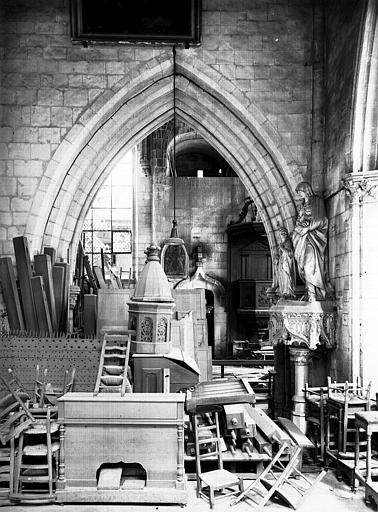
(249, 275)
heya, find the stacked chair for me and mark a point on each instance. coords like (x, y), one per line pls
(330, 415)
(29, 433)
(14, 417)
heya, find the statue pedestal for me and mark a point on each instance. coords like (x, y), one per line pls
(304, 326)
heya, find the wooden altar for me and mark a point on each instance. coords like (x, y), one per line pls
(131, 432)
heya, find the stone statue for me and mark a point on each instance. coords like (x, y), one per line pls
(285, 266)
(310, 241)
(248, 202)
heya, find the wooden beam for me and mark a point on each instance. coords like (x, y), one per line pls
(51, 251)
(24, 271)
(66, 294)
(43, 267)
(10, 294)
(270, 429)
(99, 277)
(41, 305)
(58, 280)
(90, 314)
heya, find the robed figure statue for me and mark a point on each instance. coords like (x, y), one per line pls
(285, 266)
(310, 241)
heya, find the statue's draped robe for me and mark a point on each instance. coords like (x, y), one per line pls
(310, 244)
(286, 270)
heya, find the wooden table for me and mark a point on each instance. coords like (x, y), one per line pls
(343, 410)
(367, 421)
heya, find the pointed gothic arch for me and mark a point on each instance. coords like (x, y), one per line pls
(137, 105)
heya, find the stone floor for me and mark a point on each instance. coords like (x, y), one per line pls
(328, 496)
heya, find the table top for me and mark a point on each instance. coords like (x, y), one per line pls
(367, 419)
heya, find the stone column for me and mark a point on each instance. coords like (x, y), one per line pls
(358, 187)
(299, 357)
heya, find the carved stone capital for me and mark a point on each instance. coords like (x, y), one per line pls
(303, 323)
(299, 356)
(358, 187)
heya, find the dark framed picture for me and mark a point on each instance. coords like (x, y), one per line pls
(137, 21)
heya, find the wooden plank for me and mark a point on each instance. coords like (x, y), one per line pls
(58, 280)
(268, 427)
(295, 433)
(90, 314)
(43, 267)
(24, 270)
(112, 312)
(50, 251)
(66, 293)
(41, 305)
(262, 444)
(10, 294)
(99, 277)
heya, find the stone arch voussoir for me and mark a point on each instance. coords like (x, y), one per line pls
(136, 106)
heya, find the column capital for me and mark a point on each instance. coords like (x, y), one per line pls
(358, 186)
(299, 355)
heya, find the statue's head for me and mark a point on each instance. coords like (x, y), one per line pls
(304, 189)
(283, 232)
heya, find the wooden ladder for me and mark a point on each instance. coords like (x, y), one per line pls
(114, 360)
(275, 481)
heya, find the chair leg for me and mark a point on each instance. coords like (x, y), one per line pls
(241, 485)
(17, 469)
(211, 496)
(11, 466)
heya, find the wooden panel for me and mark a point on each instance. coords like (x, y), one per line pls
(99, 277)
(58, 280)
(51, 251)
(190, 300)
(183, 334)
(65, 294)
(146, 373)
(90, 314)
(43, 267)
(112, 310)
(24, 270)
(10, 294)
(152, 380)
(204, 361)
(41, 305)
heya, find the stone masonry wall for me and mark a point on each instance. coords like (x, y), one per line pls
(47, 83)
(342, 32)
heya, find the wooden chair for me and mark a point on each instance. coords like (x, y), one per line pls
(52, 394)
(40, 386)
(314, 414)
(218, 479)
(344, 400)
(36, 460)
(47, 395)
(13, 406)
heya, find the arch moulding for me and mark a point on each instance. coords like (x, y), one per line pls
(123, 116)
